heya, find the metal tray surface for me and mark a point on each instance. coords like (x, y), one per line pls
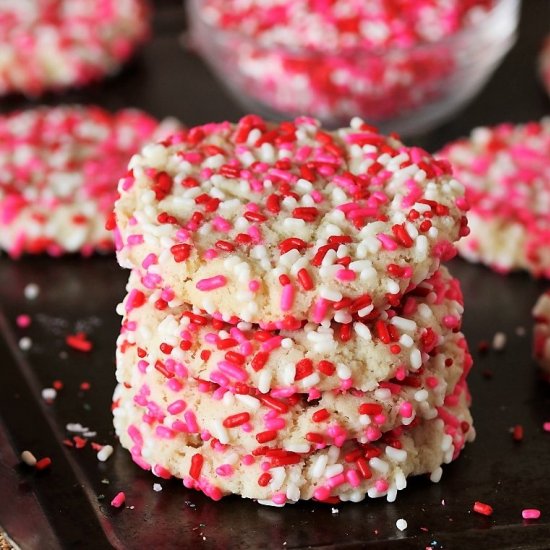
(67, 506)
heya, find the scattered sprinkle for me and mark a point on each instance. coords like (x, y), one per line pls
(31, 291)
(530, 513)
(499, 341)
(157, 487)
(483, 509)
(43, 463)
(49, 394)
(119, 500)
(23, 321)
(28, 458)
(401, 524)
(25, 343)
(105, 452)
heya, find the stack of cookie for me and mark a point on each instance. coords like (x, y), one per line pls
(289, 331)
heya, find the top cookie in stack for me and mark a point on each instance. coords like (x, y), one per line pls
(276, 224)
(288, 333)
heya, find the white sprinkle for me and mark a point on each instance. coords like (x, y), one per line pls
(398, 455)
(28, 458)
(403, 324)
(499, 341)
(157, 487)
(421, 395)
(362, 331)
(335, 511)
(435, 476)
(104, 453)
(416, 359)
(401, 524)
(31, 291)
(75, 427)
(49, 394)
(25, 343)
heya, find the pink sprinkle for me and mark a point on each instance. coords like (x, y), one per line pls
(381, 485)
(336, 480)
(272, 343)
(134, 239)
(23, 321)
(119, 500)
(253, 286)
(275, 423)
(352, 478)
(387, 242)
(319, 310)
(405, 410)
(530, 513)
(346, 275)
(321, 493)
(212, 283)
(279, 498)
(233, 370)
(247, 460)
(224, 470)
(191, 420)
(546, 426)
(287, 297)
(174, 385)
(451, 321)
(177, 406)
(149, 260)
(210, 254)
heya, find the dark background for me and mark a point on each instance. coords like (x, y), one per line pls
(68, 505)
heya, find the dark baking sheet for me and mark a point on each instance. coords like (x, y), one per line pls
(68, 505)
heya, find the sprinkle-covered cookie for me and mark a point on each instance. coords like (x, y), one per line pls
(59, 169)
(506, 172)
(274, 224)
(331, 468)
(394, 348)
(541, 332)
(54, 44)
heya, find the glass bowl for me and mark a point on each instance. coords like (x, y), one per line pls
(403, 90)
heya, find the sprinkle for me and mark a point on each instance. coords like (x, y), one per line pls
(104, 453)
(157, 487)
(212, 283)
(118, 500)
(31, 291)
(28, 458)
(78, 342)
(43, 463)
(49, 394)
(530, 513)
(23, 321)
(499, 341)
(482, 508)
(25, 343)
(401, 524)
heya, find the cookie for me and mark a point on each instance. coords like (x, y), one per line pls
(278, 223)
(343, 470)
(58, 44)
(541, 332)
(506, 173)
(59, 172)
(311, 359)
(544, 64)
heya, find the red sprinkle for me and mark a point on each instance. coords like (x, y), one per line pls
(43, 463)
(119, 500)
(197, 461)
(482, 508)
(78, 341)
(236, 420)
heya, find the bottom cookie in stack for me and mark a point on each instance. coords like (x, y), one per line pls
(332, 423)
